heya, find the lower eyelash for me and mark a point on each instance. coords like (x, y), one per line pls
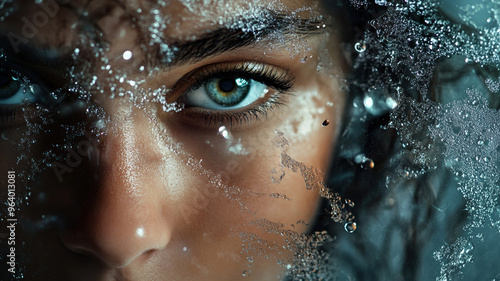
(230, 119)
(8, 115)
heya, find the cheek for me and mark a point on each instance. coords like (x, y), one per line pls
(312, 123)
(255, 161)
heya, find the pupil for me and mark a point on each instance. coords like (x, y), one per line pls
(227, 85)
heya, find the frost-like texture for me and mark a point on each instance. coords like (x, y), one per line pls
(433, 65)
(420, 197)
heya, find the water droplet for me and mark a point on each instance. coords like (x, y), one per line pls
(365, 162)
(349, 202)
(350, 226)
(360, 47)
(225, 133)
(325, 123)
(140, 232)
(35, 89)
(127, 55)
(459, 174)
(368, 102)
(467, 249)
(381, 2)
(391, 103)
(368, 164)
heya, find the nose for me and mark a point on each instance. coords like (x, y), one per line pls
(124, 220)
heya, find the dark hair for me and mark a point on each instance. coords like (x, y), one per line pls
(409, 213)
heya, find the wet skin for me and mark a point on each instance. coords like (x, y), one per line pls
(165, 195)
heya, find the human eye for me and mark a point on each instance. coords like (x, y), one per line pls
(233, 94)
(14, 89)
(17, 89)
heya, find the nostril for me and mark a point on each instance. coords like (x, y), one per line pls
(124, 221)
(148, 253)
(88, 254)
(116, 247)
(93, 257)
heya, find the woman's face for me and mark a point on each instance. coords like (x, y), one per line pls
(165, 141)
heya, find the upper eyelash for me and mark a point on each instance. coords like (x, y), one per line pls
(268, 75)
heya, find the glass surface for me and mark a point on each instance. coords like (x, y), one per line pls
(249, 140)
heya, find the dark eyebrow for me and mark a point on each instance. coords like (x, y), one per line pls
(47, 63)
(246, 33)
(242, 32)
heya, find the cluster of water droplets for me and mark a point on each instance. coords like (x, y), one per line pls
(434, 66)
(463, 134)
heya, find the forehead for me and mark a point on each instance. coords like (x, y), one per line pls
(174, 19)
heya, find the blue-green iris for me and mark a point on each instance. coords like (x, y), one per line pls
(8, 86)
(228, 91)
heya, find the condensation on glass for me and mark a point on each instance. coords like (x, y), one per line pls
(411, 191)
